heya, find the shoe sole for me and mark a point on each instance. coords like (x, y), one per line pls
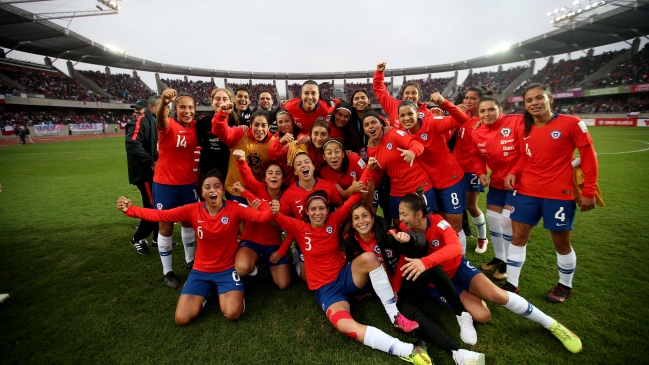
(172, 286)
(400, 329)
(498, 276)
(486, 267)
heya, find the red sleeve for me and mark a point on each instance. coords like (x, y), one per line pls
(278, 152)
(386, 100)
(220, 128)
(457, 118)
(253, 215)
(250, 196)
(410, 143)
(281, 251)
(450, 250)
(180, 214)
(590, 168)
(248, 178)
(397, 278)
(342, 214)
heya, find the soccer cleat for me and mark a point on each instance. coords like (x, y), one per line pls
(567, 338)
(559, 294)
(189, 265)
(466, 357)
(494, 264)
(467, 332)
(419, 355)
(403, 324)
(510, 288)
(482, 245)
(501, 274)
(171, 280)
(141, 247)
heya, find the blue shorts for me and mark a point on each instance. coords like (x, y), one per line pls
(472, 182)
(172, 196)
(452, 200)
(202, 283)
(429, 195)
(500, 198)
(264, 251)
(558, 215)
(338, 290)
(461, 280)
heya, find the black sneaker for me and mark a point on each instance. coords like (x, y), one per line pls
(189, 265)
(171, 280)
(559, 294)
(141, 247)
(510, 288)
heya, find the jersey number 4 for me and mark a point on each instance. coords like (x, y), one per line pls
(180, 141)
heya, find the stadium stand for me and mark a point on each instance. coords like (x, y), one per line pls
(51, 84)
(603, 105)
(123, 87)
(431, 86)
(496, 80)
(30, 117)
(325, 88)
(255, 89)
(351, 86)
(200, 89)
(635, 71)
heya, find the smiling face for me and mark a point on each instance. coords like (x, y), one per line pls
(242, 100)
(212, 192)
(341, 118)
(408, 216)
(488, 112)
(303, 167)
(373, 128)
(259, 127)
(411, 93)
(537, 102)
(274, 176)
(360, 101)
(333, 154)
(319, 136)
(407, 116)
(219, 98)
(362, 221)
(265, 101)
(310, 96)
(471, 102)
(285, 123)
(317, 212)
(185, 109)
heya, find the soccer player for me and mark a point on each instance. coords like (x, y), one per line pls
(309, 107)
(343, 169)
(355, 139)
(496, 144)
(174, 180)
(444, 249)
(261, 239)
(446, 174)
(287, 131)
(545, 185)
(333, 280)
(370, 233)
(394, 153)
(463, 153)
(339, 120)
(216, 221)
(254, 141)
(313, 145)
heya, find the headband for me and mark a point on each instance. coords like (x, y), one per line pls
(334, 141)
(316, 197)
(343, 108)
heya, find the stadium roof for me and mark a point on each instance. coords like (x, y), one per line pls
(21, 30)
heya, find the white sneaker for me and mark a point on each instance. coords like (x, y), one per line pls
(3, 297)
(467, 332)
(466, 357)
(481, 247)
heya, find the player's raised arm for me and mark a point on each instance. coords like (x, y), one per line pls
(162, 114)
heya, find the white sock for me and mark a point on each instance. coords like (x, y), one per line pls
(164, 247)
(462, 240)
(297, 269)
(383, 289)
(254, 272)
(506, 224)
(519, 305)
(515, 261)
(379, 340)
(495, 232)
(566, 264)
(189, 243)
(480, 226)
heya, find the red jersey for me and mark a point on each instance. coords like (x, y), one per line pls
(373, 246)
(176, 145)
(336, 133)
(293, 201)
(323, 258)
(391, 105)
(305, 120)
(464, 149)
(403, 178)
(444, 247)
(497, 145)
(278, 153)
(263, 234)
(545, 163)
(216, 236)
(345, 179)
(438, 162)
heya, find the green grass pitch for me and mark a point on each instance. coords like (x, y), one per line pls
(80, 294)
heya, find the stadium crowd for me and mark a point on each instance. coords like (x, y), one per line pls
(633, 71)
(430, 86)
(123, 87)
(31, 117)
(50, 84)
(326, 88)
(199, 89)
(496, 80)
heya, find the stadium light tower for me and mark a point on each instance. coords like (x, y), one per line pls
(111, 5)
(581, 10)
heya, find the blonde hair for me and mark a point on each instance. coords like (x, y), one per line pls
(227, 91)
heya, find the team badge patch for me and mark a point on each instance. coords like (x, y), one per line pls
(225, 220)
(555, 134)
(420, 114)
(330, 229)
(435, 243)
(352, 174)
(389, 146)
(424, 137)
(389, 253)
(505, 132)
(159, 206)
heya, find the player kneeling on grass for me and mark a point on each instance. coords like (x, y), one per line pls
(334, 280)
(473, 286)
(216, 223)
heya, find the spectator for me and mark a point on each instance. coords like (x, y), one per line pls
(52, 84)
(633, 71)
(125, 88)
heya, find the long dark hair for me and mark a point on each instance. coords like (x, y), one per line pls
(344, 165)
(411, 83)
(214, 172)
(416, 201)
(527, 117)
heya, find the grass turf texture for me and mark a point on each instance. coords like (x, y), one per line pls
(81, 294)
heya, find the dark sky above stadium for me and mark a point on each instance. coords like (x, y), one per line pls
(294, 36)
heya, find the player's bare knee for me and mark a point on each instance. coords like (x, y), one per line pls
(243, 267)
(182, 319)
(343, 323)
(232, 314)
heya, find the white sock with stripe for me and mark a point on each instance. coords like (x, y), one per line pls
(515, 261)
(480, 226)
(566, 264)
(189, 243)
(165, 249)
(519, 305)
(496, 234)
(379, 340)
(383, 289)
(462, 240)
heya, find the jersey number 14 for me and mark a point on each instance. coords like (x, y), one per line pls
(180, 141)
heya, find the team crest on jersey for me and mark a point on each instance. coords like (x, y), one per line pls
(320, 118)
(352, 174)
(389, 146)
(505, 132)
(424, 137)
(225, 220)
(420, 114)
(377, 249)
(555, 134)
(435, 243)
(389, 253)
(330, 229)
(246, 116)
(159, 206)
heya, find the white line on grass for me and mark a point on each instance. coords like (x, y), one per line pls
(624, 152)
